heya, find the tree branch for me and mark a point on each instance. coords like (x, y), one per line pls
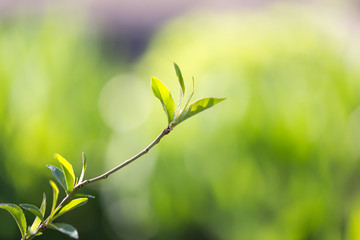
(105, 175)
(130, 160)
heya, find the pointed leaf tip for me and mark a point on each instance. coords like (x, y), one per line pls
(163, 94)
(17, 214)
(71, 205)
(66, 229)
(180, 78)
(84, 165)
(198, 106)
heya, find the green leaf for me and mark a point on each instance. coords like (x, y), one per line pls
(196, 107)
(180, 78)
(33, 209)
(43, 205)
(84, 164)
(71, 205)
(81, 195)
(55, 196)
(66, 229)
(68, 172)
(38, 220)
(163, 94)
(59, 175)
(192, 93)
(17, 214)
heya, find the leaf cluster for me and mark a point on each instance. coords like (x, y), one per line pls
(66, 178)
(180, 113)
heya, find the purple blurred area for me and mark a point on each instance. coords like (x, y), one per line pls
(127, 23)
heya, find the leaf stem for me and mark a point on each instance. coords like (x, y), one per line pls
(105, 175)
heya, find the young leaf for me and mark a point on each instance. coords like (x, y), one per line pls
(81, 195)
(192, 93)
(84, 164)
(17, 214)
(38, 220)
(71, 205)
(59, 175)
(196, 107)
(163, 94)
(68, 172)
(55, 195)
(43, 205)
(33, 209)
(180, 78)
(66, 229)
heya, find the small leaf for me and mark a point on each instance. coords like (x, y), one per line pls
(38, 220)
(81, 195)
(196, 107)
(71, 205)
(163, 94)
(43, 205)
(59, 175)
(84, 164)
(68, 172)
(55, 196)
(66, 229)
(17, 214)
(192, 93)
(33, 209)
(180, 78)
(31, 232)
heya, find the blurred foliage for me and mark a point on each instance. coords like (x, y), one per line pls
(51, 74)
(278, 160)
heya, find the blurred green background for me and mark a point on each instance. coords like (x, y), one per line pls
(279, 159)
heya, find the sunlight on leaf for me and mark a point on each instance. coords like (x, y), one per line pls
(66, 229)
(163, 94)
(55, 196)
(38, 220)
(43, 205)
(17, 214)
(71, 205)
(68, 172)
(196, 107)
(84, 164)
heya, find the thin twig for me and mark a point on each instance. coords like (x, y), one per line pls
(105, 175)
(111, 171)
